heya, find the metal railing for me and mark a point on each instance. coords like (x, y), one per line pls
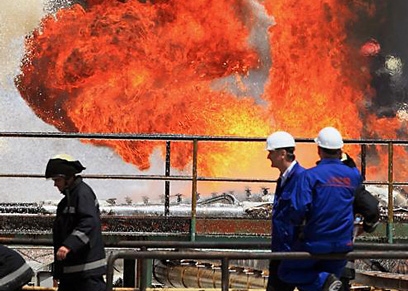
(146, 245)
(195, 178)
(225, 257)
(144, 250)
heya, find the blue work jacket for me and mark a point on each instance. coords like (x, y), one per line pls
(322, 206)
(283, 231)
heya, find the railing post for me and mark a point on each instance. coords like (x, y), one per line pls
(129, 273)
(390, 222)
(145, 271)
(225, 274)
(109, 272)
(194, 193)
(363, 161)
(143, 275)
(167, 183)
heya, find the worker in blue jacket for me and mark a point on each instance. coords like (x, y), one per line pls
(281, 147)
(322, 206)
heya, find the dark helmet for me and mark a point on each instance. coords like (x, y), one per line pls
(63, 166)
(347, 160)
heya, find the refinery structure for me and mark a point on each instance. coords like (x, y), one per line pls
(219, 221)
(168, 103)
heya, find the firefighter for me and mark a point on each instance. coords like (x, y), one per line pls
(322, 205)
(365, 204)
(79, 255)
(14, 271)
(281, 147)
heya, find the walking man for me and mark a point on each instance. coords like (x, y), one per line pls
(322, 207)
(78, 247)
(281, 152)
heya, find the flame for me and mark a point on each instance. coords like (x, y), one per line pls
(311, 84)
(145, 69)
(131, 67)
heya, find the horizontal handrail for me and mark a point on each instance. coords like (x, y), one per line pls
(197, 245)
(243, 245)
(236, 255)
(177, 137)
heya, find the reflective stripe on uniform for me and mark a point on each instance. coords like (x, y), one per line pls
(85, 267)
(14, 275)
(70, 210)
(81, 235)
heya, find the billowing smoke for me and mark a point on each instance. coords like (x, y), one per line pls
(388, 66)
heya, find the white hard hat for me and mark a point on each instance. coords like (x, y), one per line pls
(329, 138)
(279, 140)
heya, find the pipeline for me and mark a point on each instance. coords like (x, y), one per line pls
(204, 275)
(191, 274)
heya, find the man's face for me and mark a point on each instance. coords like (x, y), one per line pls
(276, 157)
(60, 183)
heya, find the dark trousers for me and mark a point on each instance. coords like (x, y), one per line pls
(309, 275)
(347, 275)
(274, 283)
(82, 284)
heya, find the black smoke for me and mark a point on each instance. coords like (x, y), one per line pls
(389, 74)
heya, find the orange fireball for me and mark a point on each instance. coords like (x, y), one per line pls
(132, 67)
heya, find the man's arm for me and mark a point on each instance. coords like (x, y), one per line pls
(366, 205)
(301, 199)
